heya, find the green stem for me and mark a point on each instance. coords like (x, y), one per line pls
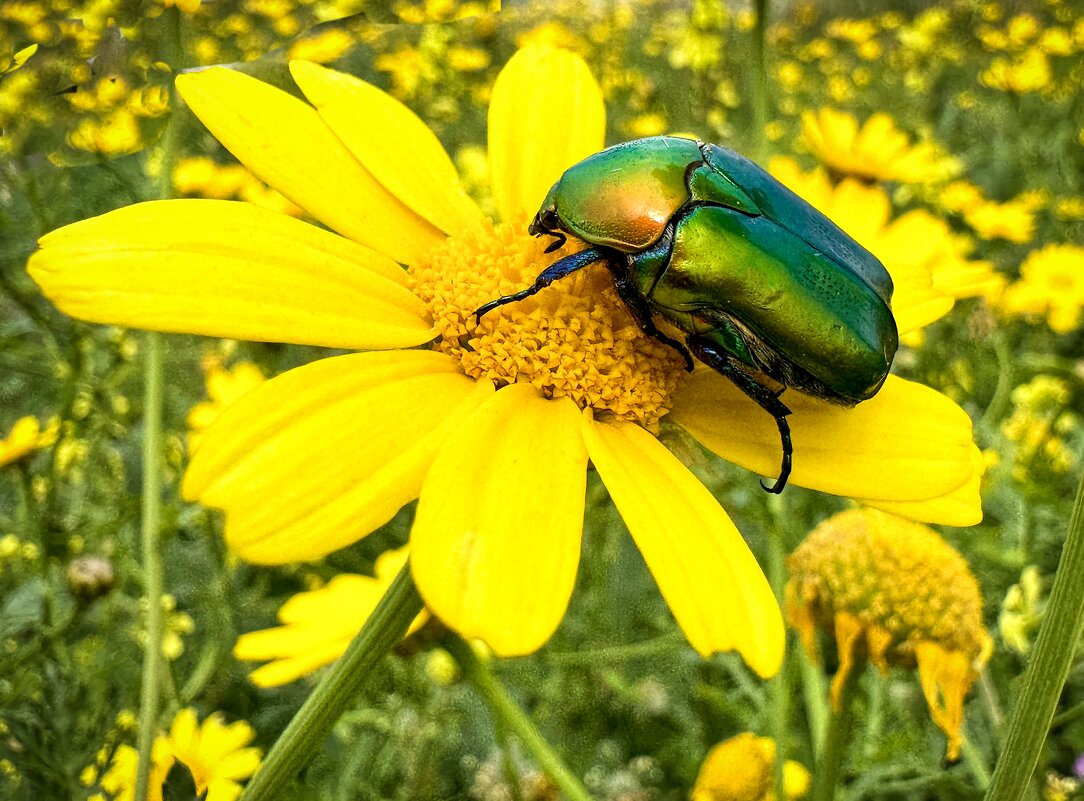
(150, 525)
(152, 560)
(514, 719)
(976, 763)
(1049, 666)
(814, 693)
(779, 687)
(759, 77)
(337, 689)
(836, 738)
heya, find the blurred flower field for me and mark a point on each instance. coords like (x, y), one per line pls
(195, 524)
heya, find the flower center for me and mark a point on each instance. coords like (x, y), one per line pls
(574, 339)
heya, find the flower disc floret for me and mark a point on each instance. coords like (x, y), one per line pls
(574, 339)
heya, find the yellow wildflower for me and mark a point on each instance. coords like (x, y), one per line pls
(743, 769)
(1021, 611)
(491, 430)
(1051, 284)
(1037, 428)
(892, 590)
(1013, 220)
(1030, 72)
(318, 625)
(25, 437)
(224, 386)
(215, 753)
(876, 151)
(119, 780)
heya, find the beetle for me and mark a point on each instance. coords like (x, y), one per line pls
(764, 288)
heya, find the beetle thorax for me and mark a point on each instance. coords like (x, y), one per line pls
(573, 339)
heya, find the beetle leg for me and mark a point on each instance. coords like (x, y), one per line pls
(559, 240)
(727, 365)
(559, 269)
(641, 310)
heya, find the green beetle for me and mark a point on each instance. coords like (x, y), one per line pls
(765, 289)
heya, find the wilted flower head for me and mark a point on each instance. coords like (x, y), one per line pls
(894, 591)
(743, 769)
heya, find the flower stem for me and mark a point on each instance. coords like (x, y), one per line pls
(759, 75)
(1049, 666)
(150, 524)
(508, 713)
(836, 737)
(340, 684)
(152, 560)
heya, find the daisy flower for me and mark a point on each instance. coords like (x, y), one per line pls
(878, 151)
(491, 427)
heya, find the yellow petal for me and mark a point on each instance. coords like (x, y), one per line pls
(496, 538)
(907, 443)
(960, 507)
(703, 567)
(392, 143)
(228, 269)
(283, 141)
(322, 455)
(546, 114)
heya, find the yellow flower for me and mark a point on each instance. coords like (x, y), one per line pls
(743, 769)
(491, 429)
(317, 626)
(187, 6)
(224, 386)
(927, 261)
(1052, 284)
(214, 752)
(878, 151)
(120, 779)
(1014, 220)
(1021, 611)
(25, 437)
(1030, 72)
(894, 591)
(1037, 427)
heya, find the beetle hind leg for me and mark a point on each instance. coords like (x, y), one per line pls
(731, 368)
(556, 271)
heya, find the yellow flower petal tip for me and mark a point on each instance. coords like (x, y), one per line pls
(895, 591)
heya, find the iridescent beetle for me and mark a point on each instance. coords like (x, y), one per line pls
(761, 284)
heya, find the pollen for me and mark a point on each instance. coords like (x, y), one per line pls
(895, 592)
(573, 339)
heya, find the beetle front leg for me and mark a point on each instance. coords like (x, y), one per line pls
(559, 269)
(641, 310)
(729, 366)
